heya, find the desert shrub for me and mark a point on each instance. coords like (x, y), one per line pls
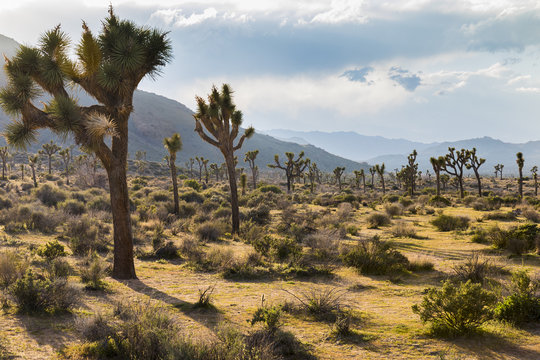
(192, 183)
(475, 269)
(5, 203)
(12, 268)
(59, 268)
(501, 216)
(210, 231)
(73, 207)
(191, 250)
(522, 305)
(531, 215)
(480, 236)
(222, 213)
(191, 196)
(186, 210)
(85, 235)
(100, 203)
(284, 248)
(269, 316)
(324, 244)
(259, 215)
(250, 232)
(49, 195)
(419, 265)
(323, 304)
(374, 257)
(378, 219)
(42, 221)
(393, 210)
(51, 250)
(456, 309)
(160, 196)
(439, 201)
(93, 271)
(344, 198)
(449, 222)
(33, 293)
(403, 229)
(217, 259)
(405, 201)
(517, 240)
(391, 198)
(269, 188)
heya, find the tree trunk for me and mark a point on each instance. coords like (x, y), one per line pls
(174, 183)
(254, 177)
(479, 183)
(34, 176)
(3, 170)
(50, 164)
(535, 185)
(520, 184)
(383, 188)
(461, 192)
(288, 184)
(229, 158)
(438, 184)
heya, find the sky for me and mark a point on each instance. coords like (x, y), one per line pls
(415, 69)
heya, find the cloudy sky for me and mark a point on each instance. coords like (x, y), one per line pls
(417, 69)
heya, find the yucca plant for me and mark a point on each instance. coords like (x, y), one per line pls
(221, 122)
(173, 145)
(33, 161)
(108, 67)
(293, 167)
(50, 149)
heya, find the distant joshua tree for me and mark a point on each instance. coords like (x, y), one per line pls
(454, 163)
(4, 154)
(243, 183)
(66, 159)
(380, 170)
(33, 161)
(173, 145)
(372, 171)
(49, 150)
(475, 163)
(338, 172)
(437, 164)
(222, 122)
(534, 171)
(250, 159)
(520, 161)
(215, 170)
(313, 173)
(292, 167)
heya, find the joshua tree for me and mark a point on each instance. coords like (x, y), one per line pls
(108, 67)
(360, 174)
(408, 173)
(22, 172)
(534, 171)
(205, 165)
(293, 168)
(222, 122)
(312, 174)
(66, 159)
(437, 164)
(33, 160)
(475, 163)
(380, 170)
(520, 162)
(200, 162)
(215, 169)
(454, 162)
(243, 183)
(250, 159)
(445, 178)
(497, 169)
(49, 150)
(173, 145)
(4, 154)
(372, 171)
(338, 171)
(191, 163)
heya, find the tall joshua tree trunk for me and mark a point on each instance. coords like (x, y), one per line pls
(231, 170)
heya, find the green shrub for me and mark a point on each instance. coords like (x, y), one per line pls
(192, 183)
(378, 219)
(531, 215)
(51, 250)
(85, 235)
(456, 309)
(34, 294)
(522, 305)
(100, 203)
(73, 207)
(269, 188)
(405, 201)
(475, 269)
(93, 271)
(393, 210)
(259, 215)
(374, 257)
(403, 229)
(501, 216)
(12, 268)
(270, 316)
(210, 231)
(49, 195)
(160, 196)
(450, 222)
(439, 201)
(5, 203)
(191, 196)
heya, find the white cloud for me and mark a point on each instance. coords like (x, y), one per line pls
(342, 11)
(176, 18)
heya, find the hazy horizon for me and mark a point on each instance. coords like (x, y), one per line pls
(426, 71)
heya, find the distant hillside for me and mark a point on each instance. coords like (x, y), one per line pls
(156, 117)
(348, 144)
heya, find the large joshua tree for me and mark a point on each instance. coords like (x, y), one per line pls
(173, 145)
(454, 162)
(109, 68)
(217, 122)
(49, 149)
(475, 163)
(520, 161)
(292, 167)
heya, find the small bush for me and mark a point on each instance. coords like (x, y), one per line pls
(450, 223)
(5, 203)
(393, 210)
(270, 188)
(100, 203)
(474, 269)
(270, 316)
(456, 309)
(85, 235)
(501, 216)
(439, 201)
(531, 215)
(12, 268)
(210, 231)
(191, 196)
(323, 304)
(374, 257)
(49, 195)
(192, 183)
(93, 272)
(522, 305)
(73, 207)
(403, 229)
(376, 220)
(51, 250)
(259, 215)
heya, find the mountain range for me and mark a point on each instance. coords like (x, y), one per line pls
(155, 117)
(393, 152)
